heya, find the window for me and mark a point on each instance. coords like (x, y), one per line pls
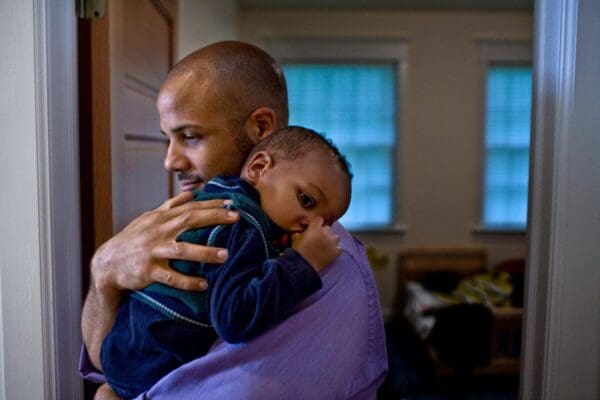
(352, 99)
(506, 142)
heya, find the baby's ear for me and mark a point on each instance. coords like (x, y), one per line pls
(255, 167)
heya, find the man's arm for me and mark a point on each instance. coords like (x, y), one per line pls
(138, 256)
(97, 318)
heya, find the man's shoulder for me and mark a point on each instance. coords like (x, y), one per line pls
(353, 263)
(348, 304)
(349, 285)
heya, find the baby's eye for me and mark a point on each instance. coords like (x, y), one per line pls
(305, 200)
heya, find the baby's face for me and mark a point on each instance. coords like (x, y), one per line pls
(295, 192)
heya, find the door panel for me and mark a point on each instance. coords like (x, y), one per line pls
(147, 42)
(123, 58)
(144, 177)
(142, 118)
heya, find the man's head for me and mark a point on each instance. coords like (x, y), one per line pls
(300, 176)
(215, 105)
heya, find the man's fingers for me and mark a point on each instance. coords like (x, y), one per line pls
(181, 203)
(206, 204)
(194, 218)
(177, 280)
(190, 252)
(178, 200)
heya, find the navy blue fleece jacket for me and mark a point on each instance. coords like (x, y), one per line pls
(257, 287)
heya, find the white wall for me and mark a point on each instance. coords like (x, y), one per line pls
(204, 22)
(20, 262)
(441, 143)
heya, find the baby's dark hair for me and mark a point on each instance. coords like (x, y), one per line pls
(294, 141)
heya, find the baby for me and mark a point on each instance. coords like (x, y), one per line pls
(293, 184)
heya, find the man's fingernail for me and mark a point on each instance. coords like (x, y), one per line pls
(232, 214)
(222, 254)
(227, 202)
(203, 285)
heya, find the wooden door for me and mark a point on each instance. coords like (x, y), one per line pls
(123, 58)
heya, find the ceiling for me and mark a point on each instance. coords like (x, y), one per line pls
(480, 5)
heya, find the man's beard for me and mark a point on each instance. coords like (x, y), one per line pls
(243, 144)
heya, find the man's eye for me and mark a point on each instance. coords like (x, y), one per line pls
(305, 200)
(190, 138)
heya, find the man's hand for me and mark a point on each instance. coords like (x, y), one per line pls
(317, 244)
(138, 256)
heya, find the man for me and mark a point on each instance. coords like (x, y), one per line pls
(214, 106)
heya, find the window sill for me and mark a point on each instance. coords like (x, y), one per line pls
(499, 230)
(399, 229)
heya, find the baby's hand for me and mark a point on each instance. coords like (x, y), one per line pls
(317, 244)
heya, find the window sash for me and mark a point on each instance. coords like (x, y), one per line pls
(354, 104)
(507, 141)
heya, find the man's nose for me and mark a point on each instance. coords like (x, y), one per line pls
(175, 160)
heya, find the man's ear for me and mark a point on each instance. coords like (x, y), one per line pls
(261, 123)
(257, 165)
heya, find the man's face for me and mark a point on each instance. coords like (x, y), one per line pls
(203, 141)
(295, 192)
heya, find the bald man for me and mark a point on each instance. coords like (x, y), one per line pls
(214, 106)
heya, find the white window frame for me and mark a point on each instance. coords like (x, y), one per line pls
(357, 50)
(496, 53)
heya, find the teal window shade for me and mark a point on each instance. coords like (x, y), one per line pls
(354, 105)
(507, 136)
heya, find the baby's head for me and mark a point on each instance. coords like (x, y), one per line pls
(300, 176)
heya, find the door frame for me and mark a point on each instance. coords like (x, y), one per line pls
(561, 340)
(561, 26)
(55, 47)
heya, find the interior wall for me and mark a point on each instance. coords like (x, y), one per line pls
(20, 259)
(441, 141)
(204, 22)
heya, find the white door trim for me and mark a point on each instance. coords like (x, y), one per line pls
(55, 47)
(561, 349)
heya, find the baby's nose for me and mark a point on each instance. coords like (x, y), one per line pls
(304, 221)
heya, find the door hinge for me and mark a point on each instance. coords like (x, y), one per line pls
(90, 9)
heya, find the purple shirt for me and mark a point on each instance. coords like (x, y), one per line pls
(332, 347)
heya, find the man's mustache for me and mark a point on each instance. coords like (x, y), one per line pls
(182, 176)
